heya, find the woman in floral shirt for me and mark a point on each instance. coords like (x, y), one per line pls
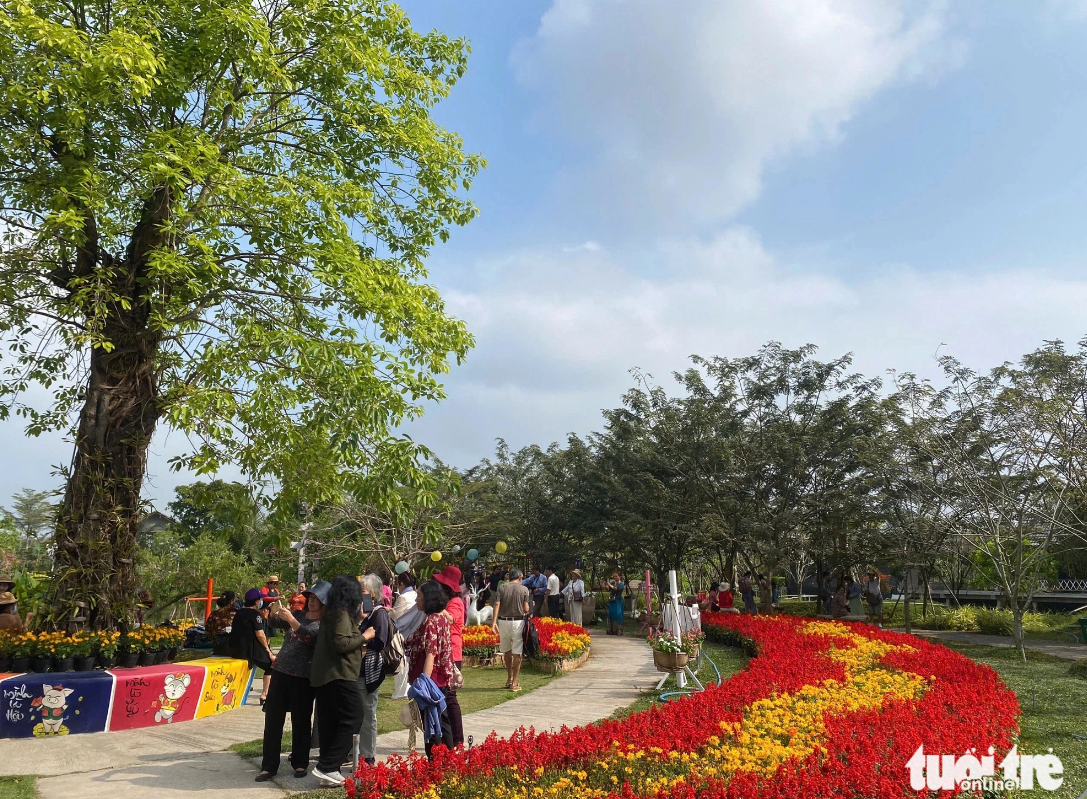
(430, 651)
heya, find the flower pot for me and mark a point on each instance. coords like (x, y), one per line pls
(171, 654)
(147, 659)
(64, 664)
(107, 661)
(20, 665)
(5, 664)
(669, 661)
(130, 660)
(84, 663)
(160, 657)
(40, 664)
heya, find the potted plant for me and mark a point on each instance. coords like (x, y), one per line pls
(130, 648)
(20, 653)
(668, 652)
(106, 644)
(6, 647)
(692, 643)
(64, 649)
(174, 642)
(149, 642)
(41, 659)
(84, 644)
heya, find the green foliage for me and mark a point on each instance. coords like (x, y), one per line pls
(224, 510)
(230, 206)
(173, 571)
(1078, 669)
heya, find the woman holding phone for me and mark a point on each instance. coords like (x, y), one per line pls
(375, 625)
(290, 689)
(334, 675)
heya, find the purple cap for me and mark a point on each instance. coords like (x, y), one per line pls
(252, 595)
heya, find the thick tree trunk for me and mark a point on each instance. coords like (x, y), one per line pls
(96, 537)
(96, 534)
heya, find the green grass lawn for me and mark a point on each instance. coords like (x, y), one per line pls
(17, 788)
(728, 659)
(1054, 706)
(483, 688)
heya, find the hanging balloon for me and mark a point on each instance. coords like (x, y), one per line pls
(473, 554)
(500, 547)
(456, 549)
(401, 567)
(436, 555)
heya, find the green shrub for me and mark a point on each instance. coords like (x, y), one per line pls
(994, 622)
(1078, 669)
(798, 607)
(964, 619)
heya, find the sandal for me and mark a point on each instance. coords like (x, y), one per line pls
(515, 688)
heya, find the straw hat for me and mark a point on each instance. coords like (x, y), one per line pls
(577, 572)
(7, 598)
(272, 579)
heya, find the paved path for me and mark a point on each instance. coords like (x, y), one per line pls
(1067, 651)
(188, 757)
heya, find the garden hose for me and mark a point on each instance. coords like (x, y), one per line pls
(664, 697)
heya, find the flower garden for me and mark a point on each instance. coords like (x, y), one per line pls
(559, 640)
(824, 709)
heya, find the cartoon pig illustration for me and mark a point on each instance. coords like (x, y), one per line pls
(53, 703)
(174, 689)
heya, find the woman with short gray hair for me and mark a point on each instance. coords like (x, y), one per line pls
(375, 618)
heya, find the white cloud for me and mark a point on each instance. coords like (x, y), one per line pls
(683, 105)
(557, 332)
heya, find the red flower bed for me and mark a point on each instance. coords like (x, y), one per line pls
(911, 693)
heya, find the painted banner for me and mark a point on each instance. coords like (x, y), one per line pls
(154, 695)
(225, 686)
(49, 704)
(42, 705)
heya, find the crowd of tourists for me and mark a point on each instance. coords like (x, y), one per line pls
(342, 639)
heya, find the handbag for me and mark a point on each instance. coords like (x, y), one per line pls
(456, 682)
(531, 641)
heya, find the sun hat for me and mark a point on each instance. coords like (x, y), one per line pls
(252, 595)
(577, 572)
(320, 590)
(272, 579)
(449, 577)
(724, 586)
(7, 598)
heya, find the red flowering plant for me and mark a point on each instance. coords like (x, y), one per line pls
(824, 709)
(560, 640)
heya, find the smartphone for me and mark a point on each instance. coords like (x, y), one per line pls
(367, 604)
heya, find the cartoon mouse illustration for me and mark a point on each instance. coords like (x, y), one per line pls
(53, 703)
(170, 699)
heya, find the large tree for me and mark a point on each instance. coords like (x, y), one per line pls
(215, 217)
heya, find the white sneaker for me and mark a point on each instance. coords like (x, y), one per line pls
(330, 779)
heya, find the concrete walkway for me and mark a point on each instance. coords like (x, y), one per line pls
(1064, 651)
(185, 758)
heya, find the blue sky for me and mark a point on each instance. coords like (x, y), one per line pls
(702, 176)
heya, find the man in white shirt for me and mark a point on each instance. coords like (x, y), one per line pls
(552, 593)
(575, 593)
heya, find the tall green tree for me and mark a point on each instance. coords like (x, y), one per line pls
(215, 217)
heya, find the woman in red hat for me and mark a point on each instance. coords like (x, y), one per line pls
(449, 579)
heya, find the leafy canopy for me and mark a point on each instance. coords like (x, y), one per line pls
(261, 181)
